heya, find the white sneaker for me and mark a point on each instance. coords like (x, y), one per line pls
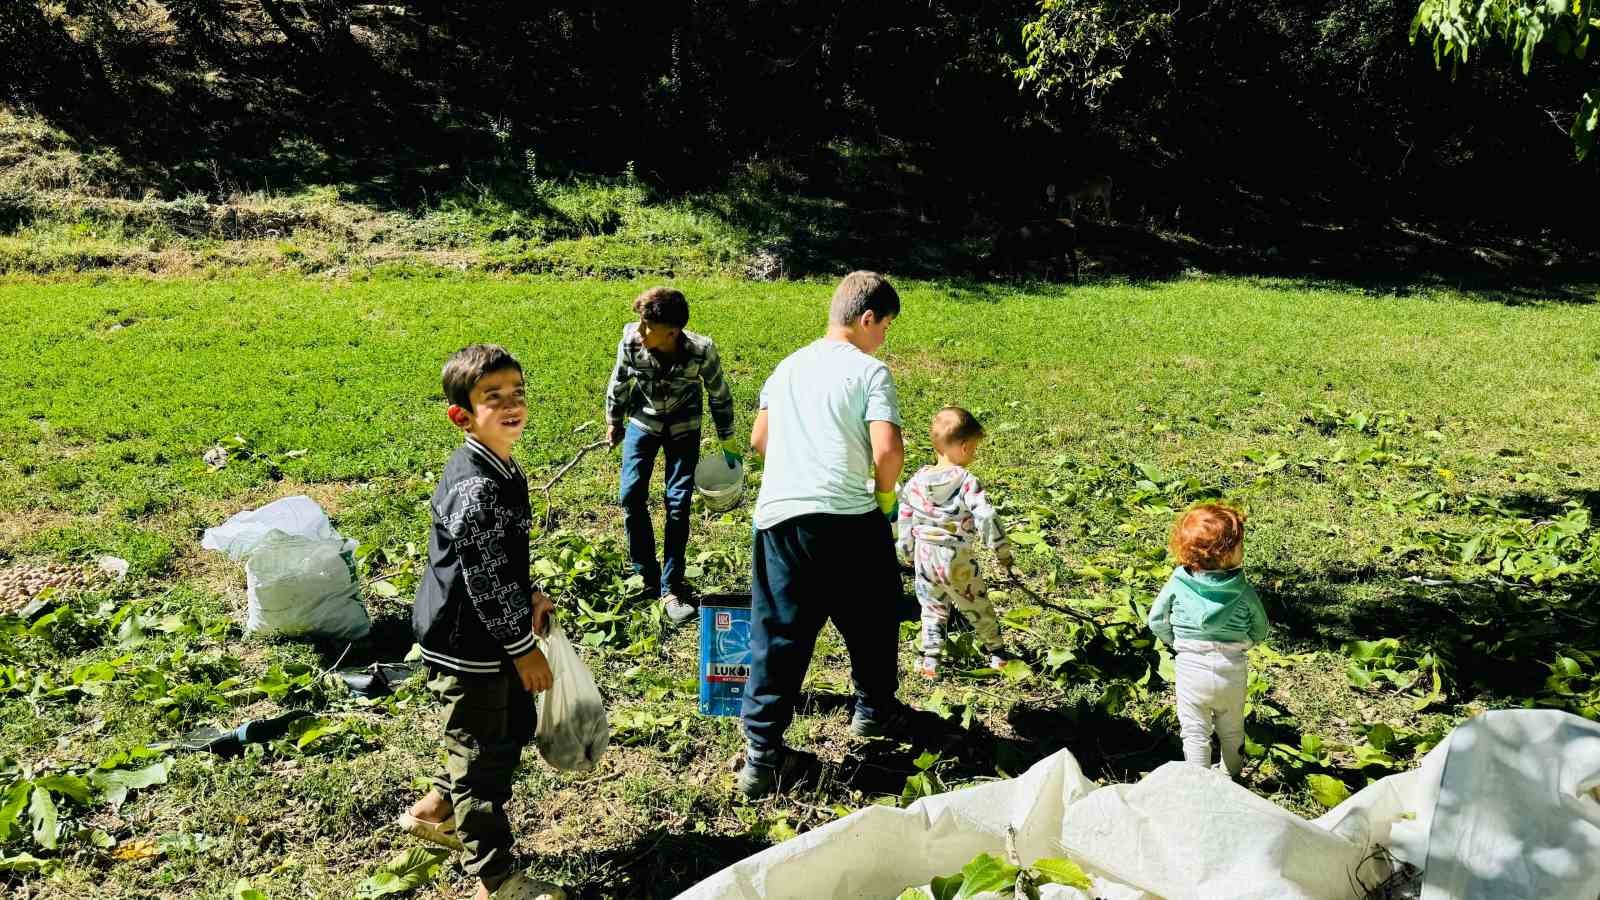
(523, 887)
(678, 611)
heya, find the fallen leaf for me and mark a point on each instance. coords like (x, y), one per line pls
(136, 850)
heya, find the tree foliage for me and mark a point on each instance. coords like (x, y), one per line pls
(1217, 114)
(1459, 26)
(1079, 49)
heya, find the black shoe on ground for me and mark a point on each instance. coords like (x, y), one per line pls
(755, 782)
(894, 721)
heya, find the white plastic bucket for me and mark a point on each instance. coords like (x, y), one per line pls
(720, 484)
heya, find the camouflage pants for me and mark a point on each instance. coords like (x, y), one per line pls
(487, 719)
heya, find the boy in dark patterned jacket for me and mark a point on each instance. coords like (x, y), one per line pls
(653, 405)
(476, 615)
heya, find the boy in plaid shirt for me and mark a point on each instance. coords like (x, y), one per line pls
(653, 405)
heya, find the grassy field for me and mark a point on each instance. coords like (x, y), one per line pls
(1420, 475)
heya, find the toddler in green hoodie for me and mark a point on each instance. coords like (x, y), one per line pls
(1209, 615)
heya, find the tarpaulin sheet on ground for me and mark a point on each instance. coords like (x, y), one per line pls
(1507, 807)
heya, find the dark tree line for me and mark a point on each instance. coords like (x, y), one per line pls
(1210, 114)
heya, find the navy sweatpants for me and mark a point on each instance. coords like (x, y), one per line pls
(804, 572)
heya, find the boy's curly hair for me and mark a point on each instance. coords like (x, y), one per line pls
(1206, 535)
(664, 305)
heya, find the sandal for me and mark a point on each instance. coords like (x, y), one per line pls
(521, 887)
(441, 833)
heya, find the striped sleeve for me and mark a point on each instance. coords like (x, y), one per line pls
(617, 387)
(721, 399)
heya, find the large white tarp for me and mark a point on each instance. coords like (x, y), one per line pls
(1507, 807)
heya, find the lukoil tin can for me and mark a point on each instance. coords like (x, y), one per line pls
(724, 653)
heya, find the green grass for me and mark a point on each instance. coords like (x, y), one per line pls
(1355, 430)
(64, 209)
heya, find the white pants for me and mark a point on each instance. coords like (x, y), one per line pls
(1212, 677)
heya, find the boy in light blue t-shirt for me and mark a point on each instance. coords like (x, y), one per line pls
(829, 424)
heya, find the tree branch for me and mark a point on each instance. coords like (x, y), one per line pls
(582, 452)
(296, 39)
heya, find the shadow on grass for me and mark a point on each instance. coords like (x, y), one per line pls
(658, 864)
(1537, 506)
(1108, 748)
(389, 641)
(881, 765)
(1494, 637)
(661, 863)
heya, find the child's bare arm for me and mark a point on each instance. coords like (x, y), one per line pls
(542, 607)
(758, 433)
(534, 671)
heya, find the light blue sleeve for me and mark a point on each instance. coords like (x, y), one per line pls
(883, 401)
(1161, 617)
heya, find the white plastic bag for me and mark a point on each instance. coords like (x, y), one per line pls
(298, 515)
(572, 731)
(300, 574)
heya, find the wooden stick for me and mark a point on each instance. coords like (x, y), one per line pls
(1016, 580)
(582, 452)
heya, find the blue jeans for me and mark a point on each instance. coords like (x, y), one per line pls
(804, 572)
(639, 448)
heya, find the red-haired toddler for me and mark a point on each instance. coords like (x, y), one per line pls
(1209, 615)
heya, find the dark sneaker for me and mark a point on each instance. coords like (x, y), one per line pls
(755, 782)
(678, 611)
(893, 721)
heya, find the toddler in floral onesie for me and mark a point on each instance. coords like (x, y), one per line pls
(943, 514)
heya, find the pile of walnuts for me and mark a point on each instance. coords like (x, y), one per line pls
(20, 584)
